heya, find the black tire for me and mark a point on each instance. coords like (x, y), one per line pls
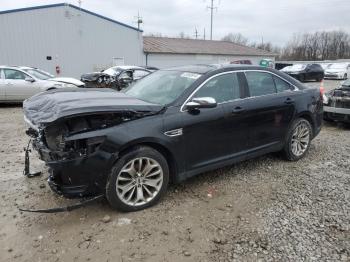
(287, 150)
(302, 78)
(139, 152)
(319, 79)
(345, 76)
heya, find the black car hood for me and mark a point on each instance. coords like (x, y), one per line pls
(50, 106)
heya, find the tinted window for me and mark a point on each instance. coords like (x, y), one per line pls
(281, 85)
(260, 83)
(222, 88)
(14, 74)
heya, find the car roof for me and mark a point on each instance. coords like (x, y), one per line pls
(204, 69)
(200, 69)
(17, 67)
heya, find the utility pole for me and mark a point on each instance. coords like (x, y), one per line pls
(204, 33)
(139, 20)
(211, 7)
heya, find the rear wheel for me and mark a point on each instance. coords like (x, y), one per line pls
(138, 180)
(298, 140)
(345, 76)
(302, 78)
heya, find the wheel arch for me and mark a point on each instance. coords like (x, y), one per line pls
(307, 116)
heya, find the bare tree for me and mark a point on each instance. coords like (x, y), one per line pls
(236, 38)
(318, 46)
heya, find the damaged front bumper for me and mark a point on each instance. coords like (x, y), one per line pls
(337, 114)
(76, 177)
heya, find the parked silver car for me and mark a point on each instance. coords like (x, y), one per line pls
(17, 83)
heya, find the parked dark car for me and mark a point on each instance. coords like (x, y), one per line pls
(242, 62)
(337, 104)
(306, 72)
(169, 126)
(117, 77)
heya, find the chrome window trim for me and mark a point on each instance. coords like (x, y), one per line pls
(237, 71)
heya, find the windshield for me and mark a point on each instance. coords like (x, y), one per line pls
(162, 87)
(112, 71)
(38, 73)
(297, 67)
(337, 66)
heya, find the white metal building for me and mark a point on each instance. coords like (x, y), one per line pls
(64, 35)
(165, 52)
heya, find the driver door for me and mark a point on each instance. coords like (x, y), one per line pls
(207, 133)
(16, 87)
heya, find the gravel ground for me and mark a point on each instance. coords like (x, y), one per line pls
(264, 209)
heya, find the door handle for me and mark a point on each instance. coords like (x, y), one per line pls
(237, 110)
(289, 101)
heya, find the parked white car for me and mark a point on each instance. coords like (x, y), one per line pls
(286, 69)
(337, 71)
(17, 83)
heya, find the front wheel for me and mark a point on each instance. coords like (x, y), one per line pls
(138, 180)
(298, 140)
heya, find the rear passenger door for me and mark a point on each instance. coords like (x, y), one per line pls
(269, 108)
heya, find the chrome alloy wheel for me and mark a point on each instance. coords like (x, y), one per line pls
(139, 181)
(300, 139)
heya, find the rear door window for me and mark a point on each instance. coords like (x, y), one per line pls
(260, 83)
(223, 88)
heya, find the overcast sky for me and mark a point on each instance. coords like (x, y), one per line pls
(274, 20)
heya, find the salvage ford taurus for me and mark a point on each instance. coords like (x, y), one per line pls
(169, 126)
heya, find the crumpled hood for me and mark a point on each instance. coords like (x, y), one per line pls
(47, 107)
(67, 80)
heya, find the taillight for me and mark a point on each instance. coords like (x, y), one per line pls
(322, 91)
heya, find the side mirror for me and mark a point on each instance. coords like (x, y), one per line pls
(29, 79)
(201, 102)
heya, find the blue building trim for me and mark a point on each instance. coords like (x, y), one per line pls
(70, 5)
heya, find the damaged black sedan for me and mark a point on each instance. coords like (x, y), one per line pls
(337, 103)
(171, 125)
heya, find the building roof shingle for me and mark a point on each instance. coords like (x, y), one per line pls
(193, 46)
